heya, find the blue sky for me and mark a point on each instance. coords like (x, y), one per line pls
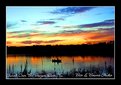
(53, 20)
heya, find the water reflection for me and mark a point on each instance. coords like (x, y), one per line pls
(58, 66)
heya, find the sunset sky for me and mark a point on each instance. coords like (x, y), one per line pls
(59, 25)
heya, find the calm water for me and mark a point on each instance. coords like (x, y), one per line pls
(57, 64)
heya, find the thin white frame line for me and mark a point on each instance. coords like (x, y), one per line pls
(62, 78)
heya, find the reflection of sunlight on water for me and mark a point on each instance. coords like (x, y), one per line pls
(14, 60)
(37, 64)
(36, 60)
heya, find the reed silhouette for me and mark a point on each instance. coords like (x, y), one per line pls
(22, 74)
(99, 72)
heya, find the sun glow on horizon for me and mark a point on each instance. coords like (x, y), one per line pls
(65, 25)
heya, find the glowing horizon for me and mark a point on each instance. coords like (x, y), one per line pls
(59, 25)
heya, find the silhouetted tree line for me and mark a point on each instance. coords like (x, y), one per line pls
(104, 49)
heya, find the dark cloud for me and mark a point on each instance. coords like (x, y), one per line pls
(16, 32)
(61, 18)
(23, 21)
(52, 41)
(89, 34)
(23, 35)
(24, 31)
(39, 42)
(58, 26)
(58, 19)
(109, 22)
(101, 36)
(103, 33)
(69, 26)
(106, 29)
(10, 24)
(45, 22)
(20, 36)
(72, 31)
(98, 24)
(30, 42)
(110, 30)
(8, 42)
(72, 10)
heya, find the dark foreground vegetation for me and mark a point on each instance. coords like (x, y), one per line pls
(106, 71)
(104, 49)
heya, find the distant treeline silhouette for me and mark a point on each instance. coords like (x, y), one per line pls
(104, 49)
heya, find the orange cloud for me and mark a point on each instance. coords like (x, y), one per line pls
(65, 38)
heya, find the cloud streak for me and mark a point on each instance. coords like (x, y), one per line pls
(39, 42)
(72, 10)
(20, 36)
(108, 31)
(22, 31)
(45, 22)
(23, 21)
(109, 22)
(61, 19)
(98, 24)
(8, 42)
(23, 35)
(64, 37)
(9, 25)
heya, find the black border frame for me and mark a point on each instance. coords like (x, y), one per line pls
(5, 3)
